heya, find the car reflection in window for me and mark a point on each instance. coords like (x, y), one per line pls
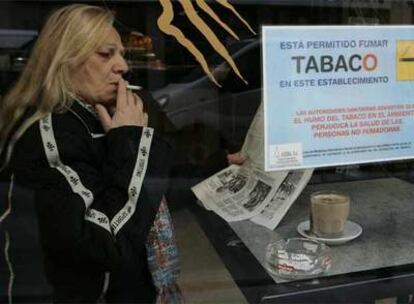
(13, 58)
(215, 119)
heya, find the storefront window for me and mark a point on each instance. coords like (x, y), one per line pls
(223, 260)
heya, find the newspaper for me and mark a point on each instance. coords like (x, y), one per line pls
(284, 197)
(238, 193)
(248, 192)
(253, 146)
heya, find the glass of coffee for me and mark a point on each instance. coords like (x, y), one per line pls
(329, 213)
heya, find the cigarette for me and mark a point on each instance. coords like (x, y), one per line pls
(134, 87)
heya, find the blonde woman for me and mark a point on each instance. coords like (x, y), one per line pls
(72, 131)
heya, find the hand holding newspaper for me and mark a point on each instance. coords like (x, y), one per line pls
(247, 191)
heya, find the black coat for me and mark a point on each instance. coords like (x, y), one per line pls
(96, 197)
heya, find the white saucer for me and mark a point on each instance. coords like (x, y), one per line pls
(351, 231)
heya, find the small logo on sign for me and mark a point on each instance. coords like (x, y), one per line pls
(405, 60)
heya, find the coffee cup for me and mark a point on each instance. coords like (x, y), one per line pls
(329, 213)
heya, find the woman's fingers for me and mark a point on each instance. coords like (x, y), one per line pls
(236, 158)
(139, 111)
(129, 110)
(104, 117)
(145, 119)
(122, 98)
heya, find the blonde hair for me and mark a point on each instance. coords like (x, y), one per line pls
(70, 35)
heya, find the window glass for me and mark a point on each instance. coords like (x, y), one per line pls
(206, 124)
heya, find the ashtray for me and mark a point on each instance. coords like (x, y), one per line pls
(297, 258)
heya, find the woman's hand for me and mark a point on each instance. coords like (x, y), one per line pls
(129, 110)
(236, 158)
